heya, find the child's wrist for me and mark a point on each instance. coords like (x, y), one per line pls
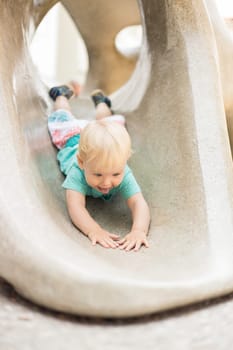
(140, 230)
(89, 233)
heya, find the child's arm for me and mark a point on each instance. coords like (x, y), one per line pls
(79, 215)
(141, 221)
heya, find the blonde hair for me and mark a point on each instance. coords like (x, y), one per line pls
(106, 142)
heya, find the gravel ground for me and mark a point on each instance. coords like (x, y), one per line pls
(25, 326)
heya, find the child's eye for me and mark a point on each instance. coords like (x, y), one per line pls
(116, 174)
(98, 175)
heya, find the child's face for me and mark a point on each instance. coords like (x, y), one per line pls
(101, 179)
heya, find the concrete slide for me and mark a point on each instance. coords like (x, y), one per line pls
(174, 106)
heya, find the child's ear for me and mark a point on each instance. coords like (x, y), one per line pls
(80, 161)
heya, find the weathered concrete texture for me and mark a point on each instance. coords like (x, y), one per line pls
(25, 326)
(175, 114)
(224, 43)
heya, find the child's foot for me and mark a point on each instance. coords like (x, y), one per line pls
(65, 90)
(98, 96)
(62, 90)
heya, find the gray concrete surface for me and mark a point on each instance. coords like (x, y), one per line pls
(24, 326)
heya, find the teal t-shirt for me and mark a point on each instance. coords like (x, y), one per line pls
(75, 178)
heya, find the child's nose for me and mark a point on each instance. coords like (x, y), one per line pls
(107, 181)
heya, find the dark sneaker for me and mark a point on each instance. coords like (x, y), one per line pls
(62, 90)
(98, 96)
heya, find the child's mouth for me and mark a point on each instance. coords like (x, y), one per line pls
(104, 190)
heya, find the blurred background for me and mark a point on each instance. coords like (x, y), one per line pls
(60, 54)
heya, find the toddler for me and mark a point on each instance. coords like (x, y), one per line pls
(93, 156)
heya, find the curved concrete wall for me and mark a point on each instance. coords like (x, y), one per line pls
(224, 43)
(99, 23)
(175, 115)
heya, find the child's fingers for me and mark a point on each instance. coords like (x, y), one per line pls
(93, 241)
(108, 243)
(130, 246)
(123, 240)
(125, 245)
(113, 236)
(140, 243)
(137, 246)
(104, 244)
(111, 243)
(133, 244)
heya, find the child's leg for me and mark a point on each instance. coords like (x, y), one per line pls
(102, 104)
(61, 123)
(61, 102)
(102, 111)
(61, 95)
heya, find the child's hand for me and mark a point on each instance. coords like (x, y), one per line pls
(134, 240)
(104, 238)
